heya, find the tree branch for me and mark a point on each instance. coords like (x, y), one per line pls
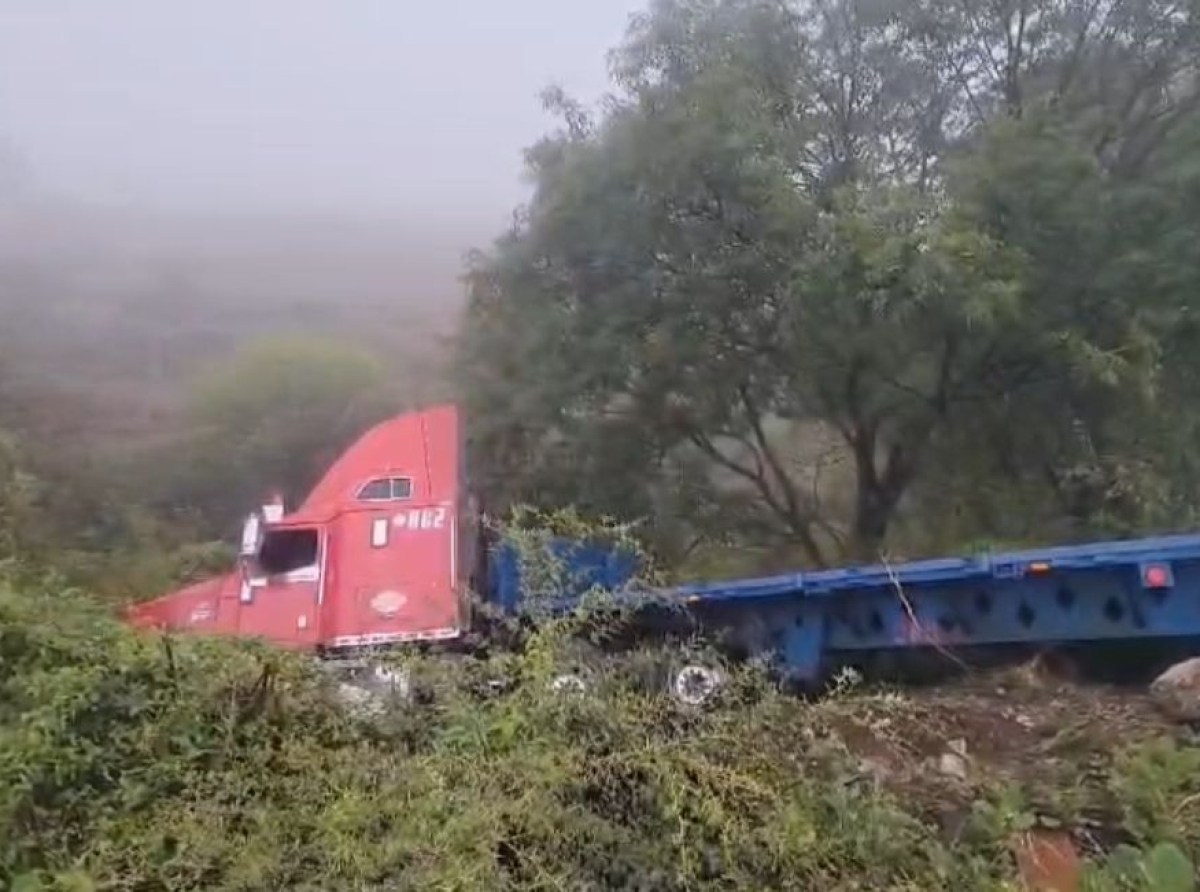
(1071, 66)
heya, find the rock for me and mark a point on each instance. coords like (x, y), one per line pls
(953, 765)
(1177, 691)
(958, 747)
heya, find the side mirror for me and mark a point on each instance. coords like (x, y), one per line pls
(251, 536)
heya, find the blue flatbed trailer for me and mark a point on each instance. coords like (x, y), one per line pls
(1144, 590)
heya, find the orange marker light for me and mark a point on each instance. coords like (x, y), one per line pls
(1039, 567)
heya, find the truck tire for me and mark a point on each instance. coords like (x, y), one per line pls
(695, 684)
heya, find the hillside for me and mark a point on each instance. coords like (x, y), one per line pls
(816, 285)
(106, 313)
(138, 763)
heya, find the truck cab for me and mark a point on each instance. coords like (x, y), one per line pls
(382, 551)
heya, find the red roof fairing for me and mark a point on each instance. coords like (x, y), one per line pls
(399, 446)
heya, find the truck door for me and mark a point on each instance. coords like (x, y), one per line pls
(394, 576)
(280, 586)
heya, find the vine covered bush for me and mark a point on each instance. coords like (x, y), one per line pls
(135, 761)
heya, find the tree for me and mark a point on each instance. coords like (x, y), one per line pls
(827, 219)
(17, 494)
(275, 416)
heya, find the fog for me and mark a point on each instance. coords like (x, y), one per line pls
(177, 177)
(383, 122)
(354, 107)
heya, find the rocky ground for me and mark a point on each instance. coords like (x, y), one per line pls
(1050, 757)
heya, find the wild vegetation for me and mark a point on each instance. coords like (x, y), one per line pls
(831, 277)
(818, 281)
(133, 762)
(822, 280)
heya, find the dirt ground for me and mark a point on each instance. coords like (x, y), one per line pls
(942, 749)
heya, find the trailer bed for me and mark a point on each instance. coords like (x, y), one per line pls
(1123, 590)
(1134, 590)
(1164, 550)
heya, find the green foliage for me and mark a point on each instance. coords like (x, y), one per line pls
(821, 280)
(136, 762)
(1163, 868)
(804, 236)
(73, 529)
(136, 524)
(535, 526)
(274, 416)
(142, 569)
(133, 761)
(1159, 788)
(546, 572)
(17, 492)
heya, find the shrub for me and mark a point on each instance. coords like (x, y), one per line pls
(131, 761)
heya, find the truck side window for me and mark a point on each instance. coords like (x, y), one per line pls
(288, 551)
(385, 489)
(376, 491)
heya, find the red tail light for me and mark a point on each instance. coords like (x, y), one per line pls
(1156, 576)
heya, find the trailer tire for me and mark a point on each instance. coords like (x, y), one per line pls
(579, 666)
(696, 685)
(569, 683)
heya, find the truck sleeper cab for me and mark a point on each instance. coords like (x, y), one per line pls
(371, 557)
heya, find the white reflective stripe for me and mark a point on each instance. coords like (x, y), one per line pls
(379, 532)
(390, 637)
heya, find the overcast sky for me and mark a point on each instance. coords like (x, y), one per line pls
(376, 107)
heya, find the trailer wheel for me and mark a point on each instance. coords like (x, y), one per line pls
(569, 683)
(578, 666)
(695, 685)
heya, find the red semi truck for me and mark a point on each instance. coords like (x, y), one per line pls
(382, 551)
(389, 548)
